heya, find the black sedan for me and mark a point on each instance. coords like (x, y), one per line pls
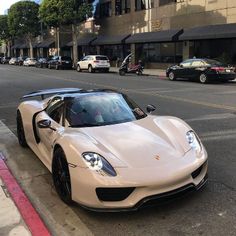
(60, 62)
(42, 63)
(202, 70)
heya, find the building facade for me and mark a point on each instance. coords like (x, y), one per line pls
(161, 32)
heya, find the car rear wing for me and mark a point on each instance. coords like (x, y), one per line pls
(43, 93)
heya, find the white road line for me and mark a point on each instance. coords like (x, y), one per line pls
(218, 135)
(213, 117)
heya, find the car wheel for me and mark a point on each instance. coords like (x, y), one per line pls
(171, 76)
(61, 176)
(90, 69)
(203, 78)
(121, 72)
(57, 67)
(20, 130)
(49, 66)
(78, 68)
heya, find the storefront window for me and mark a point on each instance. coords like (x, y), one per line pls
(159, 52)
(143, 4)
(114, 52)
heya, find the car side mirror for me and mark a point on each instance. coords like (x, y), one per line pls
(45, 124)
(150, 108)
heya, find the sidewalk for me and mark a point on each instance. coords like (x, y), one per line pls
(154, 72)
(17, 215)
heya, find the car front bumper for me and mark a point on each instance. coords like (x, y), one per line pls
(146, 188)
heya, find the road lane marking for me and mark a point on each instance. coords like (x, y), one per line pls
(213, 117)
(218, 135)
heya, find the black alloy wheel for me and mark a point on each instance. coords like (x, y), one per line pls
(171, 76)
(20, 130)
(203, 78)
(121, 72)
(61, 176)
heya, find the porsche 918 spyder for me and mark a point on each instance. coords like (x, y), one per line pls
(105, 152)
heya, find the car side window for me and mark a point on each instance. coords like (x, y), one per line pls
(186, 63)
(197, 63)
(55, 109)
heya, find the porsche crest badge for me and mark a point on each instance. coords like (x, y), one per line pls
(157, 157)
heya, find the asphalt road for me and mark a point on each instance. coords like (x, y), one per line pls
(210, 109)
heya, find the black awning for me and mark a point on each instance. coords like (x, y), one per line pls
(83, 41)
(16, 46)
(110, 40)
(46, 43)
(210, 32)
(159, 36)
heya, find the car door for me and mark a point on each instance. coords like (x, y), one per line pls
(55, 113)
(83, 63)
(197, 66)
(184, 68)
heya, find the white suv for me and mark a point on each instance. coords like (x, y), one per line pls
(93, 63)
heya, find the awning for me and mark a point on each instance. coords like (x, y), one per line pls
(210, 32)
(16, 46)
(46, 43)
(110, 40)
(159, 36)
(83, 41)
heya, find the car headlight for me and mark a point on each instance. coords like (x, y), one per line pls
(98, 163)
(193, 141)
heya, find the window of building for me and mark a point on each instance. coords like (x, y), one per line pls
(143, 4)
(165, 2)
(105, 9)
(159, 52)
(122, 7)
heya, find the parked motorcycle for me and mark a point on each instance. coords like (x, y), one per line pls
(126, 67)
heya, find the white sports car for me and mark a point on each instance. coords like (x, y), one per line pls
(105, 152)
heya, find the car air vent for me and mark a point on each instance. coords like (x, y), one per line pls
(113, 194)
(197, 172)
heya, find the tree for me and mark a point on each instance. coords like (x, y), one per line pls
(23, 21)
(4, 32)
(66, 12)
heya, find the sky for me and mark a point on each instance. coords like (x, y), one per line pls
(5, 4)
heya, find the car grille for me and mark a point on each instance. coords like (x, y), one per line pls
(113, 194)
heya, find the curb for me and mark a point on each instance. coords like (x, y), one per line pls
(29, 214)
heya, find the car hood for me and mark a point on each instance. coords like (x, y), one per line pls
(140, 143)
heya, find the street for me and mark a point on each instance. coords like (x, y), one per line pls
(209, 109)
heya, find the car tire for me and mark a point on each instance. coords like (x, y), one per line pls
(20, 130)
(121, 72)
(78, 68)
(171, 76)
(49, 66)
(90, 69)
(61, 176)
(203, 78)
(57, 67)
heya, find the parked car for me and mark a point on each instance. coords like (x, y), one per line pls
(21, 60)
(6, 60)
(105, 152)
(0, 60)
(29, 62)
(202, 70)
(60, 62)
(42, 63)
(93, 63)
(13, 61)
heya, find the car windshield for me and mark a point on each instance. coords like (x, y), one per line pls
(101, 109)
(101, 58)
(66, 58)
